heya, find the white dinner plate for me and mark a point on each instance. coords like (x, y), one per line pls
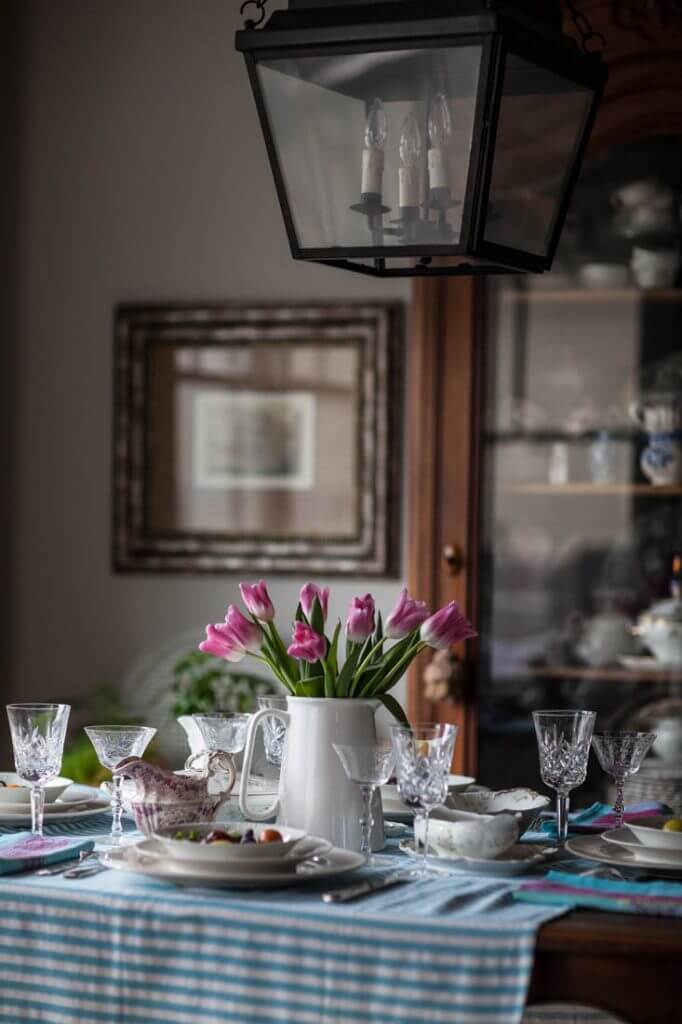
(516, 861)
(57, 811)
(627, 839)
(595, 848)
(147, 858)
(18, 793)
(396, 809)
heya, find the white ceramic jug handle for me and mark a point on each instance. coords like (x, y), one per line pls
(249, 814)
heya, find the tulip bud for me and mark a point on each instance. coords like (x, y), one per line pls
(446, 627)
(360, 620)
(407, 615)
(307, 645)
(257, 600)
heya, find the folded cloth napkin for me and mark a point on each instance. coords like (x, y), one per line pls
(23, 851)
(563, 888)
(597, 818)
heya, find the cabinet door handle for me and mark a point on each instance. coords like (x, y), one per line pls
(454, 556)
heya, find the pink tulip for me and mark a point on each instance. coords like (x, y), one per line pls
(446, 627)
(360, 621)
(256, 598)
(307, 645)
(246, 633)
(406, 616)
(307, 598)
(221, 642)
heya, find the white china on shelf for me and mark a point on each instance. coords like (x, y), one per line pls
(57, 811)
(626, 838)
(605, 638)
(597, 849)
(517, 860)
(668, 742)
(147, 858)
(315, 793)
(604, 275)
(194, 735)
(655, 268)
(14, 791)
(660, 628)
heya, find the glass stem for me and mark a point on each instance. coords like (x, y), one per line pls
(619, 806)
(562, 817)
(37, 804)
(366, 821)
(422, 816)
(116, 808)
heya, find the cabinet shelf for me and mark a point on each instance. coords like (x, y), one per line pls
(593, 295)
(606, 675)
(598, 490)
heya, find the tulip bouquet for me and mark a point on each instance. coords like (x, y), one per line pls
(376, 653)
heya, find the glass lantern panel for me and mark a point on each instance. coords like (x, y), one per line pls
(541, 119)
(373, 148)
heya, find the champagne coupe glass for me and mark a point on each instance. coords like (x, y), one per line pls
(112, 744)
(38, 733)
(621, 754)
(369, 766)
(564, 748)
(423, 755)
(274, 730)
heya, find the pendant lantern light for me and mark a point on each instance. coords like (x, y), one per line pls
(418, 138)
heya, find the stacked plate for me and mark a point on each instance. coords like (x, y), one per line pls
(394, 807)
(15, 802)
(645, 846)
(273, 858)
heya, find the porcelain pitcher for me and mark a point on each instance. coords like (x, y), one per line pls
(314, 791)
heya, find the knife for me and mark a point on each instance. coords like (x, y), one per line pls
(354, 892)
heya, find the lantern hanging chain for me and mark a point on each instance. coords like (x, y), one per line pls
(259, 14)
(591, 41)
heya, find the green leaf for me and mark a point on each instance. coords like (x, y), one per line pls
(311, 688)
(379, 631)
(393, 708)
(346, 673)
(332, 653)
(329, 680)
(300, 615)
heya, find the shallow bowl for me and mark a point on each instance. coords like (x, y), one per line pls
(220, 853)
(650, 832)
(465, 834)
(392, 804)
(524, 804)
(15, 791)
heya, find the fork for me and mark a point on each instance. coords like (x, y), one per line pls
(61, 869)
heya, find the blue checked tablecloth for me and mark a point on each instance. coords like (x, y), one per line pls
(116, 948)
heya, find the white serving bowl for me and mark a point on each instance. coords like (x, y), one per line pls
(20, 793)
(221, 853)
(392, 804)
(524, 804)
(650, 832)
(462, 834)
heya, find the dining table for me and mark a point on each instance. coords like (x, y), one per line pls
(457, 949)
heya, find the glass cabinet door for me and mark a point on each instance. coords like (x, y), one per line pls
(581, 499)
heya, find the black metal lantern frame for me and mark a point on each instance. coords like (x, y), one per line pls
(418, 240)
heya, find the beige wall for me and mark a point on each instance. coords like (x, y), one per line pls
(143, 177)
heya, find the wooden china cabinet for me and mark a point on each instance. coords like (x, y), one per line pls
(528, 503)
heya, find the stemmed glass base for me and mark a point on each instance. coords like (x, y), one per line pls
(423, 869)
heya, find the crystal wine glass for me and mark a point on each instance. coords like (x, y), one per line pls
(423, 755)
(274, 730)
(369, 766)
(621, 754)
(223, 730)
(564, 749)
(112, 744)
(38, 733)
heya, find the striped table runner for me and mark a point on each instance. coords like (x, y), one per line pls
(117, 948)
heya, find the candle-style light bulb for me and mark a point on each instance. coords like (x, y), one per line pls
(376, 131)
(410, 150)
(440, 133)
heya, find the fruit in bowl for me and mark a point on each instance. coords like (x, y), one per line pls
(239, 841)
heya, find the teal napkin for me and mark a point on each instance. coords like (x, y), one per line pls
(596, 818)
(563, 888)
(23, 851)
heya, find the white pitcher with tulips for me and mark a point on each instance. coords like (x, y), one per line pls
(330, 699)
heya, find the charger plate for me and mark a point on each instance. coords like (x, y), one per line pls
(148, 859)
(516, 861)
(623, 837)
(617, 856)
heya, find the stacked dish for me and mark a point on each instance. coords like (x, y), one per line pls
(15, 801)
(247, 855)
(652, 845)
(394, 807)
